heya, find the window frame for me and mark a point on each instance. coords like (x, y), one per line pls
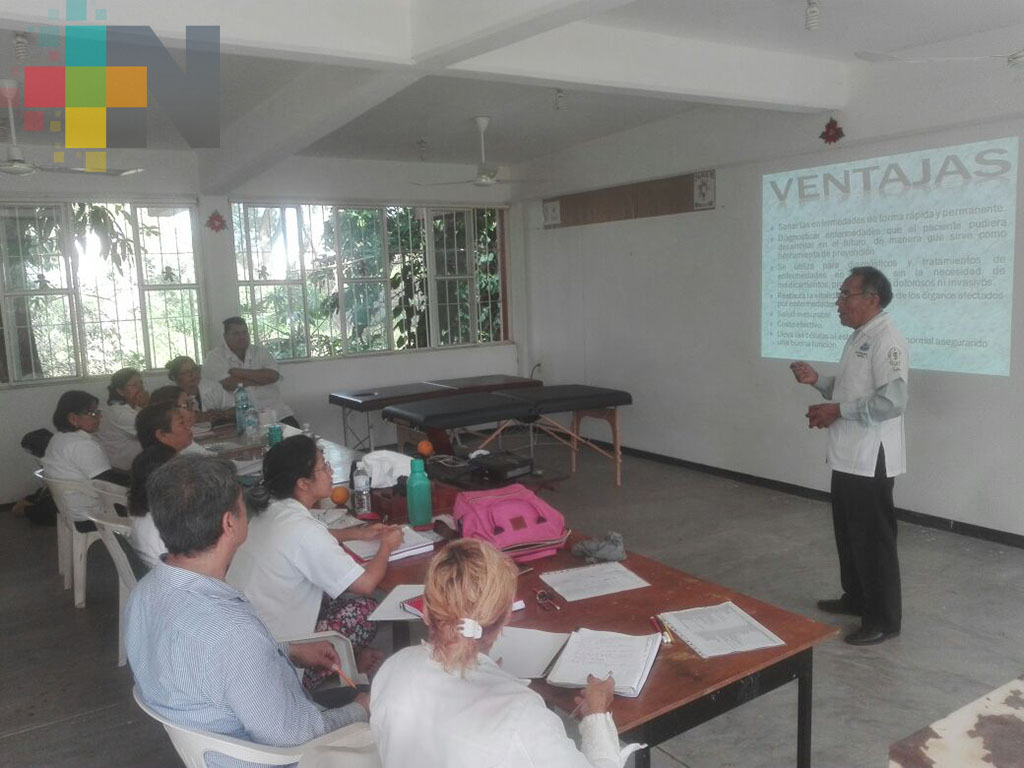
(431, 279)
(76, 309)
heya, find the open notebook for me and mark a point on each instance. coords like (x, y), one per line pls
(628, 658)
(413, 543)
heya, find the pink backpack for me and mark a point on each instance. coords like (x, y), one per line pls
(514, 519)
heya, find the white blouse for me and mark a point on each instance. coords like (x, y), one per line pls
(117, 435)
(287, 563)
(423, 716)
(76, 456)
(145, 540)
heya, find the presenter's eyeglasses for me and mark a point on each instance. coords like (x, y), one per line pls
(844, 295)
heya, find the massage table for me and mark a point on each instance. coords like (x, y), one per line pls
(532, 406)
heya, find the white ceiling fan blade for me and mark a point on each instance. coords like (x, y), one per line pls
(109, 172)
(877, 57)
(442, 183)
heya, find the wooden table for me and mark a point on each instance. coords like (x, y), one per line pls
(683, 690)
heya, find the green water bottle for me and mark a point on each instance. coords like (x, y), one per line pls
(418, 495)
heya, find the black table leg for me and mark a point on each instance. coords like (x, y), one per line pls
(803, 713)
(399, 635)
(642, 758)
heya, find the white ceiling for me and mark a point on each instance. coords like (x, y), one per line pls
(383, 82)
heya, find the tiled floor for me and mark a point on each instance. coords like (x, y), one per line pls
(65, 703)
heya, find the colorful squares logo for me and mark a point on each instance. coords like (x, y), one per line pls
(105, 105)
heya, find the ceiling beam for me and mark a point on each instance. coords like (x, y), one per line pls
(444, 32)
(307, 109)
(608, 58)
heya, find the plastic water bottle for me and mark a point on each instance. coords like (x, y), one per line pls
(361, 491)
(251, 420)
(242, 405)
(418, 495)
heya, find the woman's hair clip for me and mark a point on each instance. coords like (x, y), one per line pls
(471, 628)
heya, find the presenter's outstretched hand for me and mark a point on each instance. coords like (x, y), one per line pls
(804, 372)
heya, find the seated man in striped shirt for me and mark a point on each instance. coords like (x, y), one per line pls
(200, 654)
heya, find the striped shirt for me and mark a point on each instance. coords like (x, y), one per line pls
(202, 658)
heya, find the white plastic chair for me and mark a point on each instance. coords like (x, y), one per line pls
(63, 539)
(76, 544)
(351, 746)
(111, 529)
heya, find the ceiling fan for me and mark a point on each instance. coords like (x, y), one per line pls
(1013, 60)
(15, 164)
(486, 173)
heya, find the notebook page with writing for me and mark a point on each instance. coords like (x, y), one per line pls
(413, 543)
(592, 581)
(629, 658)
(717, 630)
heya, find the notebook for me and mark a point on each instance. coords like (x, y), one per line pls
(527, 653)
(413, 543)
(628, 658)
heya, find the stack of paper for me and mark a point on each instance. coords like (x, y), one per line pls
(592, 581)
(413, 543)
(628, 658)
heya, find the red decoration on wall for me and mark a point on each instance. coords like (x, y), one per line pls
(832, 133)
(216, 222)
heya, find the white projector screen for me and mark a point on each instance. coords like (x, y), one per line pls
(939, 223)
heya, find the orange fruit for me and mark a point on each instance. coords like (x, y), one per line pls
(339, 495)
(425, 448)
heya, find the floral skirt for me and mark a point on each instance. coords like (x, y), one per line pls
(348, 615)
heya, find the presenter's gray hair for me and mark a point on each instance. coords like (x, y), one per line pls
(872, 280)
(188, 497)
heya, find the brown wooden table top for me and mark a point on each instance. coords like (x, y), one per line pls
(679, 675)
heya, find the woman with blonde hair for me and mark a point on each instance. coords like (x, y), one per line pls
(446, 703)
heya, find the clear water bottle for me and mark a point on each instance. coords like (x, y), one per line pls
(252, 426)
(242, 405)
(361, 491)
(418, 495)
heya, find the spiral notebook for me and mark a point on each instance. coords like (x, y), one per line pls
(413, 543)
(628, 658)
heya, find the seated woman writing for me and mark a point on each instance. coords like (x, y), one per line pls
(446, 703)
(291, 567)
(163, 433)
(75, 454)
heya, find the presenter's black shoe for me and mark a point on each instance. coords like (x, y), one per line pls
(869, 636)
(839, 605)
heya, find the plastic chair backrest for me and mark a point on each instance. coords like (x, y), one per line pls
(354, 742)
(113, 530)
(61, 489)
(112, 496)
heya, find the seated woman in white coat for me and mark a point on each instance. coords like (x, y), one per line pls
(445, 703)
(209, 400)
(163, 432)
(292, 567)
(75, 454)
(127, 395)
(172, 393)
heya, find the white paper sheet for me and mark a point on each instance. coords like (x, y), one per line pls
(390, 608)
(717, 630)
(526, 653)
(592, 581)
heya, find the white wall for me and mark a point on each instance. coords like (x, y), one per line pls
(305, 385)
(669, 309)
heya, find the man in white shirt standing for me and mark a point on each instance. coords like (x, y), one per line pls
(239, 362)
(866, 450)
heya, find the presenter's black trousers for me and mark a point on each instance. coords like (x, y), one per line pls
(864, 519)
